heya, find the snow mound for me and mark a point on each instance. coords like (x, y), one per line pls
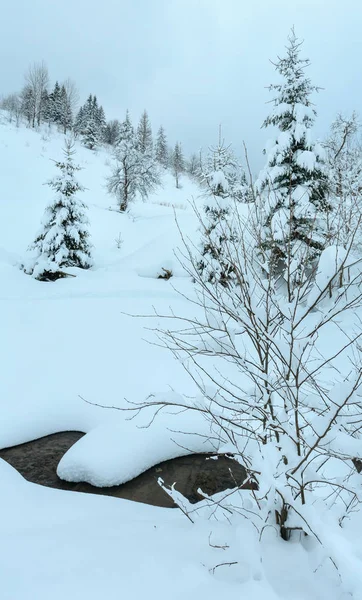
(116, 452)
(151, 260)
(164, 250)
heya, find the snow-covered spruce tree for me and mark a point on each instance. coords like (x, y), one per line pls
(293, 187)
(101, 122)
(27, 104)
(344, 161)
(134, 171)
(91, 135)
(44, 106)
(90, 123)
(177, 163)
(221, 159)
(53, 108)
(162, 155)
(144, 139)
(224, 182)
(79, 122)
(84, 115)
(126, 130)
(65, 112)
(63, 240)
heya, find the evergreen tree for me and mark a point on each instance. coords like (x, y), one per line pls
(58, 108)
(79, 122)
(85, 114)
(28, 104)
(55, 110)
(222, 168)
(65, 117)
(127, 130)
(218, 235)
(64, 239)
(90, 135)
(94, 108)
(134, 171)
(44, 105)
(89, 107)
(144, 134)
(178, 163)
(293, 186)
(100, 119)
(162, 155)
(90, 123)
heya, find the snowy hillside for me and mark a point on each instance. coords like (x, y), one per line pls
(83, 341)
(74, 337)
(71, 338)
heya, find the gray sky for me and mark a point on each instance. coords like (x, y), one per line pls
(191, 63)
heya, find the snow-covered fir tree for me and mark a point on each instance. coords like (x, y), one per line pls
(44, 106)
(27, 104)
(218, 234)
(100, 119)
(162, 155)
(58, 109)
(293, 187)
(177, 163)
(63, 240)
(79, 122)
(65, 116)
(53, 108)
(222, 163)
(144, 134)
(126, 130)
(91, 135)
(134, 172)
(90, 123)
(89, 108)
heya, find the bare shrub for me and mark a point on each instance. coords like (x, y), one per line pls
(277, 394)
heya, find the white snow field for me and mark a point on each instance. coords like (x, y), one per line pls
(73, 339)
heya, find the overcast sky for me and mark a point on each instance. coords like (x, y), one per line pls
(191, 63)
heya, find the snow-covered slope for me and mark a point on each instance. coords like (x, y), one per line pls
(73, 337)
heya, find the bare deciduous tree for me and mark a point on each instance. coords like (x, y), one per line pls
(72, 94)
(271, 384)
(344, 159)
(37, 80)
(12, 103)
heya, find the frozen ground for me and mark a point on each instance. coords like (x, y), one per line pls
(73, 338)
